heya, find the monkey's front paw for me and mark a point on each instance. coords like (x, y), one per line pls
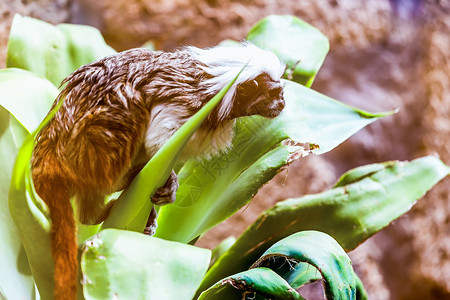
(166, 193)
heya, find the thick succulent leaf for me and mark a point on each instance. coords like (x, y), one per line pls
(20, 113)
(29, 104)
(250, 284)
(359, 173)
(133, 207)
(119, 264)
(300, 274)
(350, 213)
(16, 281)
(320, 122)
(299, 45)
(30, 214)
(220, 249)
(228, 183)
(213, 189)
(321, 252)
(51, 51)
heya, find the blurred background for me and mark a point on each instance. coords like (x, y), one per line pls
(385, 54)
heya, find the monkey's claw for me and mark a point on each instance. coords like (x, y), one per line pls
(151, 226)
(166, 193)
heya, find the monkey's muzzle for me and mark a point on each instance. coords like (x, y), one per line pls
(267, 106)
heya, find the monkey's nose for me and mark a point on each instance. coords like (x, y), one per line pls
(280, 104)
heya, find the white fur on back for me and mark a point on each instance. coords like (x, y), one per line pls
(224, 63)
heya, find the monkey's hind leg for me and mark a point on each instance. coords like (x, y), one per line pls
(91, 207)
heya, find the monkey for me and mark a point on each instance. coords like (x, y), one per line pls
(118, 111)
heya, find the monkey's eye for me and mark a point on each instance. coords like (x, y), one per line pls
(252, 86)
(248, 87)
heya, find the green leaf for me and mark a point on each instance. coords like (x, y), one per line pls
(51, 51)
(350, 213)
(120, 264)
(29, 215)
(300, 274)
(21, 110)
(26, 96)
(321, 252)
(319, 121)
(213, 189)
(360, 173)
(247, 285)
(16, 281)
(299, 45)
(133, 206)
(222, 248)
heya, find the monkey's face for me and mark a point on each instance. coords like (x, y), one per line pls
(261, 96)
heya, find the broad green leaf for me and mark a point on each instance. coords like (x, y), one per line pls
(250, 284)
(30, 213)
(222, 248)
(299, 45)
(21, 110)
(350, 213)
(359, 173)
(26, 96)
(321, 252)
(213, 189)
(133, 206)
(16, 281)
(119, 264)
(53, 51)
(229, 182)
(319, 121)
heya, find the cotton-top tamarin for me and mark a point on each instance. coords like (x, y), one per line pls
(120, 110)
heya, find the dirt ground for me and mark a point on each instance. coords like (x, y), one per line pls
(384, 55)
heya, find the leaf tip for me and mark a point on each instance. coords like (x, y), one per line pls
(368, 115)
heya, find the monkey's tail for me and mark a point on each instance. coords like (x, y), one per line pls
(55, 193)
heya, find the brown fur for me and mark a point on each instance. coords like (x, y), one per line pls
(95, 143)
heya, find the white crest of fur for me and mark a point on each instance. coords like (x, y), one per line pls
(224, 63)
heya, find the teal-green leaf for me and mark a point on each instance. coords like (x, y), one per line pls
(119, 264)
(51, 51)
(213, 189)
(350, 213)
(321, 252)
(299, 45)
(250, 284)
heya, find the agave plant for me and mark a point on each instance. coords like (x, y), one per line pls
(296, 242)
